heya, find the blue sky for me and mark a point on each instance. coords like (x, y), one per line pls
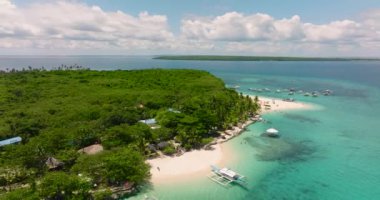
(266, 27)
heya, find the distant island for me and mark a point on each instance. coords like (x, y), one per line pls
(87, 134)
(257, 58)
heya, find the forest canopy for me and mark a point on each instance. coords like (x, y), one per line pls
(58, 112)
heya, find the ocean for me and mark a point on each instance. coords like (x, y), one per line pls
(329, 153)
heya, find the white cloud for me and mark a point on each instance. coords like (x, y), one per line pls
(245, 30)
(252, 33)
(72, 27)
(6, 3)
(74, 24)
(235, 26)
(345, 30)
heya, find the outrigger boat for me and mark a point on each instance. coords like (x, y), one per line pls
(225, 176)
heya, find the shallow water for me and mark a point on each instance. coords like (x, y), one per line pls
(329, 153)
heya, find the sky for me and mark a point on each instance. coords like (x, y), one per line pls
(338, 28)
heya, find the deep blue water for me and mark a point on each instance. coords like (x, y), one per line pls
(331, 153)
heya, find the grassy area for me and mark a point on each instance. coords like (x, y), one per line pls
(258, 58)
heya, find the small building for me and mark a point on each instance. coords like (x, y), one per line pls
(152, 123)
(174, 110)
(9, 141)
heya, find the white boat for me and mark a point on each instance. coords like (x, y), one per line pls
(289, 100)
(225, 176)
(146, 197)
(327, 92)
(235, 87)
(255, 90)
(272, 132)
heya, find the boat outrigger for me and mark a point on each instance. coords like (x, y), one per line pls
(225, 176)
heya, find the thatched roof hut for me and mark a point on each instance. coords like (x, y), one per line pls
(152, 147)
(92, 149)
(162, 145)
(53, 163)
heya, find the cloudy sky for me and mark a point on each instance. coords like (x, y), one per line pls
(236, 27)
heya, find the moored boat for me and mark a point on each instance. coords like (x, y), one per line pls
(272, 132)
(289, 100)
(225, 176)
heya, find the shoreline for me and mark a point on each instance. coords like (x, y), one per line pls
(279, 105)
(196, 163)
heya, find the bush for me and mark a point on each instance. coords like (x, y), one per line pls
(25, 194)
(188, 147)
(206, 141)
(169, 150)
(103, 195)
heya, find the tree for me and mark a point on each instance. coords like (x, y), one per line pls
(125, 165)
(92, 166)
(256, 100)
(114, 167)
(59, 185)
(55, 116)
(85, 136)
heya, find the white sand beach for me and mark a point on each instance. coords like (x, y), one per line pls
(278, 105)
(189, 165)
(197, 162)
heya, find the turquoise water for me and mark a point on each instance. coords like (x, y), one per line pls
(329, 153)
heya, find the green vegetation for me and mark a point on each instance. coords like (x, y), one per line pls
(59, 112)
(259, 58)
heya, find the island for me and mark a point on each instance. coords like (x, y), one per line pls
(85, 134)
(258, 58)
